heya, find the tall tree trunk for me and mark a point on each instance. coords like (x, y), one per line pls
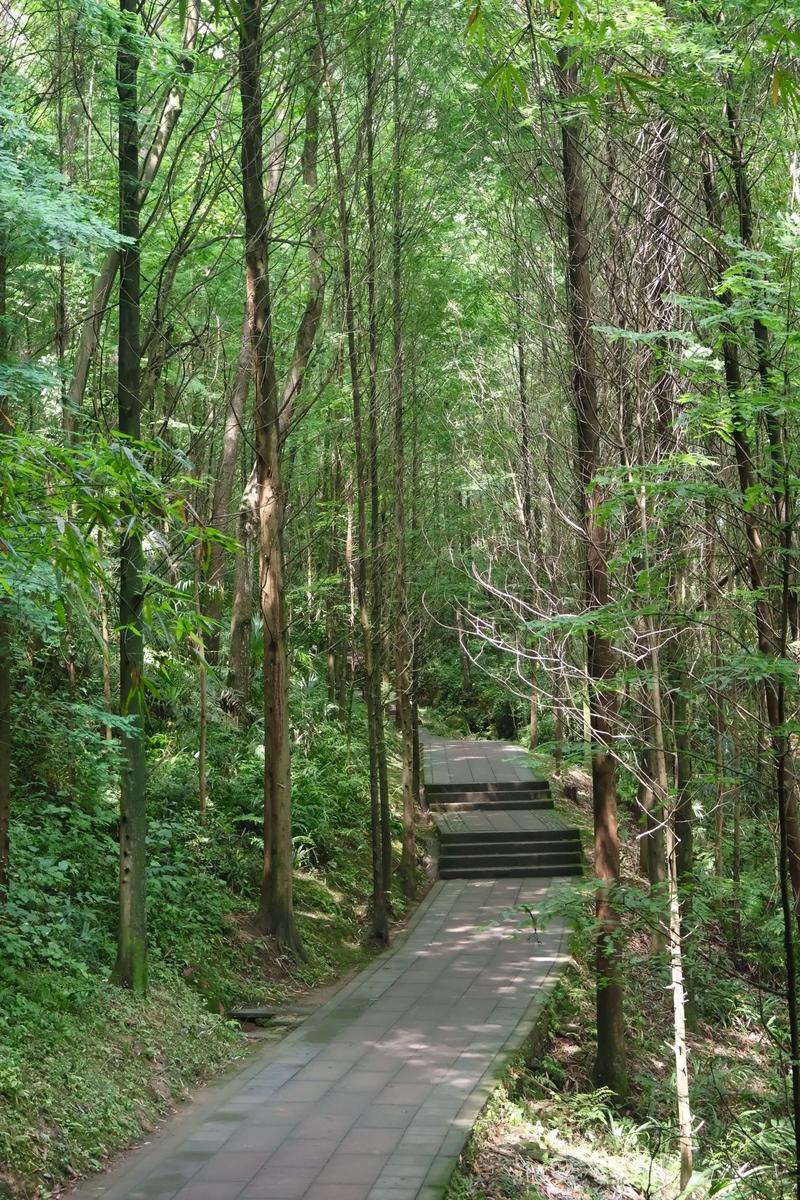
(237, 697)
(768, 633)
(131, 965)
(380, 923)
(105, 640)
(199, 649)
(276, 910)
(223, 487)
(610, 1068)
(686, 1148)
(403, 647)
(375, 561)
(307, 329)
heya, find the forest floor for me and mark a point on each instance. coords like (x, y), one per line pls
(547, 1134)
(87, 1070)
(104, 1069)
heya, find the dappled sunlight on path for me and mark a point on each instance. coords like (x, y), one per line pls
(374, 1096)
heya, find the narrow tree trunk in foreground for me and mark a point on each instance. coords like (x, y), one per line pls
(213, 592)
(679, 1013)
(375, 559)
(403, 648)
(276, 909)
(131, 965)
(238, 681)
(199, 648)
(771, 633)
(610, 1069)
(379, 915)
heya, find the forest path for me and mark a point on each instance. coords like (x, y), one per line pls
(374, 1096)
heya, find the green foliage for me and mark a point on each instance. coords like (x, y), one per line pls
(84, 1066)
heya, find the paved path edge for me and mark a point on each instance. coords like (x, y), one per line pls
(445, 1162)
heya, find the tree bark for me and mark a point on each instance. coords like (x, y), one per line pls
(767, 635)
(276, 910)
(213, 592)
(403, 645)
(610, 1068)
(305, 338)
(375, 559)
(131, 965)
(379, 915)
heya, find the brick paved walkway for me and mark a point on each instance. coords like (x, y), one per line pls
(449, 760)
(374, 1096)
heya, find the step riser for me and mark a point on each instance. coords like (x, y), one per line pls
(497, 853)
(511, 864)
(525, 856)
(489, 805)
(493, 799)
(509, 872)
(548, 837)
(525, 785)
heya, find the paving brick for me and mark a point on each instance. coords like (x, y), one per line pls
(338, 1191)
(280, 1183)
(304, 1152)
(371, 1141)
(231, 1166)
(209, 1191)
(351, 1168)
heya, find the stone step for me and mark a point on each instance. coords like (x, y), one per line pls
(492, 850)
(551, 862)
(491, 837)
(467, 805)
(493, 799)
(513, 785)
(508, 872)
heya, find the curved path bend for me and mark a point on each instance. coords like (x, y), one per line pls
(374, 1096)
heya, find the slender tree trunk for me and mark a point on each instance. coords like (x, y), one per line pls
(674, 923)
(679, 1013)
(610, 1069)
(771, 632)
(276, 910)
(767, 635)
(131, 965)
(403, 647)
(307, 329)
(375, 562)
(238, 682)
(105, 638)
(380, 923)
(223, 488)
(199, 647)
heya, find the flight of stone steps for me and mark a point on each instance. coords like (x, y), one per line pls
(501, 830)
